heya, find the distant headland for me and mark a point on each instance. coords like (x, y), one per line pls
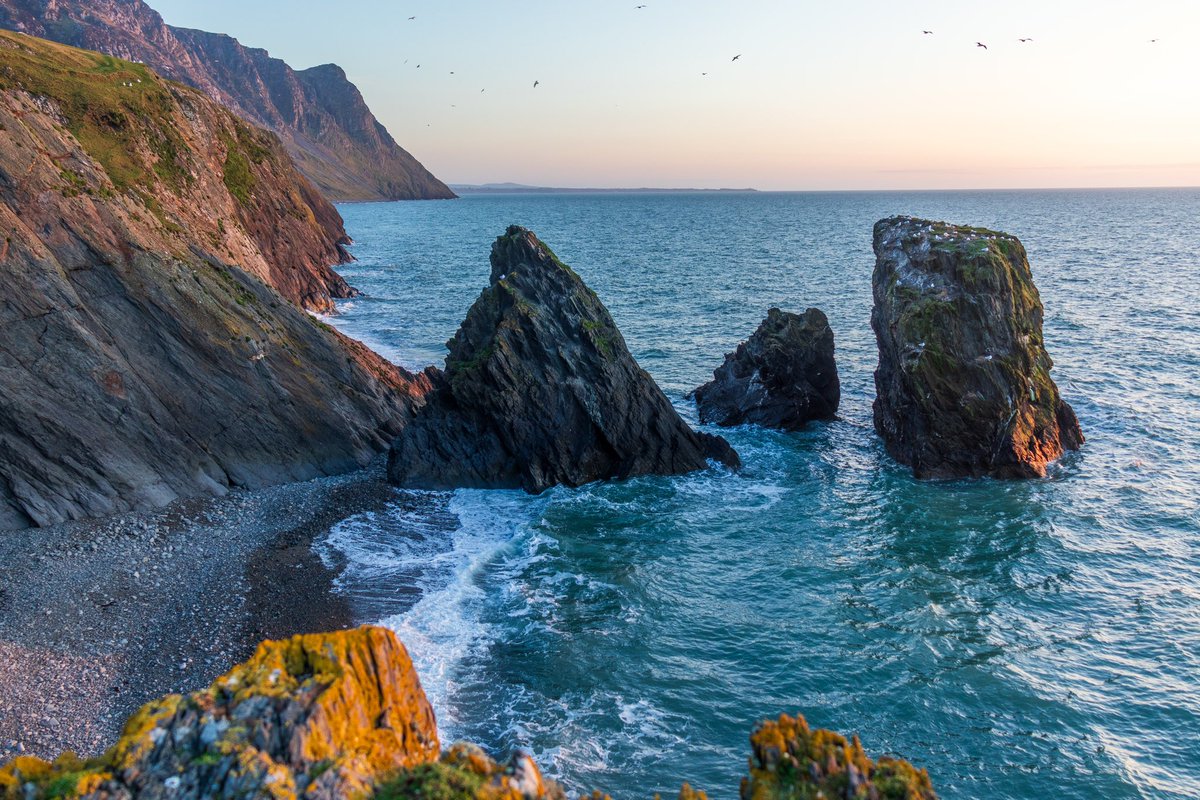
(520, 188)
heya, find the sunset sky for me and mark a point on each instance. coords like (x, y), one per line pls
(844, 95)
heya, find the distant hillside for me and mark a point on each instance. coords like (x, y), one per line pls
(321, 116)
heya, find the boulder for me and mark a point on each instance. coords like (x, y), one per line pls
(963, 384)
(790, 760)
(781, 377)
(539, 389)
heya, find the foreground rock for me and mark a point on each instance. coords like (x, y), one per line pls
(319, 115)
(539, 389)
(782, 377)
(153, 252)
(342, 715)
(963, 383)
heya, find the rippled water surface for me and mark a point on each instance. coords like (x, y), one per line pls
(1037, 639)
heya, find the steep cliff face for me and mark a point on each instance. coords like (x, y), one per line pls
(343, 715)
(540, 389)
(144, 354)
(318, 114)
(964, 385)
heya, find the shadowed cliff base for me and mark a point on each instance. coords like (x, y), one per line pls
(319, 115)
(540, 389)
(344, 715)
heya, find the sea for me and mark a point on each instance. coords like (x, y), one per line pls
(1035, 639)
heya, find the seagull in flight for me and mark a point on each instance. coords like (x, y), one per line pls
(927, 33)
(1025, 40)
(735, 58)
(981, 44)
(412, 17)
(535, 84)
(1153, 41)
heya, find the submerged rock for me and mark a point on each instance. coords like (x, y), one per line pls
(963, 382)
(539, 389)
(781, 377)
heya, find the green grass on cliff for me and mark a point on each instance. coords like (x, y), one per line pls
(120, 112)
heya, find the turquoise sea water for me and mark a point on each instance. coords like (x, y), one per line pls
(1036, 639)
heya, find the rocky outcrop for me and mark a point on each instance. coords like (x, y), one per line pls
(963, 382)
(319, 115)
(144, 354)
(539, 389)
(783, 376)
(340, 715)
(789, 760)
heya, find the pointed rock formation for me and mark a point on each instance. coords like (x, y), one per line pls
(963, 382)
(539, 389)
(781, 377)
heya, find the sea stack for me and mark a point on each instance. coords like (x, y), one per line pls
(539, 389)
(963, 382)
(782, 377)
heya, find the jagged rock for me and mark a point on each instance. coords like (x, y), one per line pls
(781, 377)
(151, 248)
(539, 389)
(963, 382)
(323, 716)
(331, 716)
(319, 114)
(789, 761)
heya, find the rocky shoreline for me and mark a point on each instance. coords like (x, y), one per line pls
(100, 617)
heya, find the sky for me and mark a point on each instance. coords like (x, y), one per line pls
(826, 95)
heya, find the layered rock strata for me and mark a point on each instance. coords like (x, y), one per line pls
(318, 113)
(330, 716)
(539, 389)
(152, 248)
(963, 383)
(783, 376)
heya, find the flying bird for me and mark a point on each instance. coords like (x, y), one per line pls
(981, 44)
(703, 73)
(412, 17)
(535, 84)
(642, 6)
(1153, 41)
(927, 33)
(1024, 40)
(735, 58)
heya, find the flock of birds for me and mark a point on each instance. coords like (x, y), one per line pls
(536, 83)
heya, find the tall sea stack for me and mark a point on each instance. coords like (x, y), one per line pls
(963, 382)
(539, 389)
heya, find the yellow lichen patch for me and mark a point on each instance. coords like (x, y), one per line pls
(21, 770)
(791, 761)
(137, 738)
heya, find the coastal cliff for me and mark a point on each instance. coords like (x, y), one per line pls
(153, 248)
(963, 383)
(318, 114)
(343, 715)
(540, 389)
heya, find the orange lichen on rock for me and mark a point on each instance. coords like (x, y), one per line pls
(790, 760)
(318, 716)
